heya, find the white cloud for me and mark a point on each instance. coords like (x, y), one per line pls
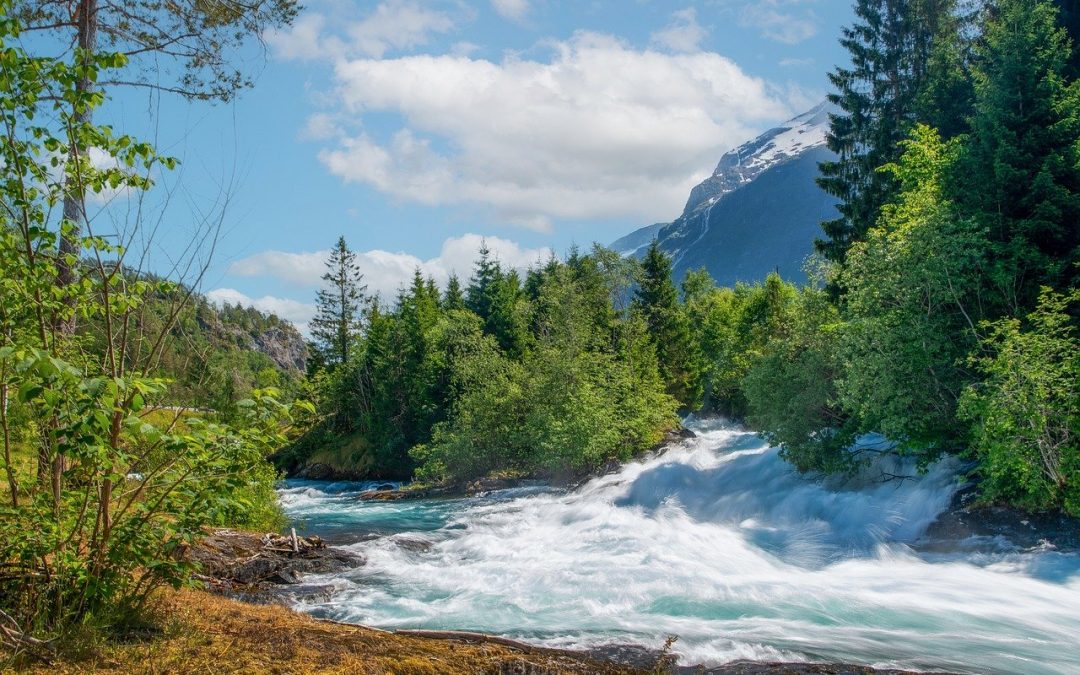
(393, 25)
(511, 9)
(781, 20)
(385, 272)
(397, 24)
(601, 130)
(305, 40)
(683, 34)
(320, 127)
(297, 312)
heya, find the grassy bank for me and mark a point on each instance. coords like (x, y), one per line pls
(205, 633)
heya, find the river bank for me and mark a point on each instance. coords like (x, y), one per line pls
(201, 632)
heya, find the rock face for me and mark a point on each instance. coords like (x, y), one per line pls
(284, 345)
(760, 210)
(255, 567)
(252, 330)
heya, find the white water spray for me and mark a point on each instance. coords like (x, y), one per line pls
(717, 541)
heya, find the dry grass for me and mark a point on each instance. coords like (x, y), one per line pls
(205, 633)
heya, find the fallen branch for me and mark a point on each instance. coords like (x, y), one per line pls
(13, 637)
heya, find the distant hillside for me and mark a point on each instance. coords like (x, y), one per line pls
(760, 210)
(220, 354)
(215, 356)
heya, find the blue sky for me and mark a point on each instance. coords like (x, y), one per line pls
(415, 128)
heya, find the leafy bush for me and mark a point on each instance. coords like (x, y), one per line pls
(1026, 412)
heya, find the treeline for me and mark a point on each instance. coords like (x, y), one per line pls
(953, 271)
(549, 374)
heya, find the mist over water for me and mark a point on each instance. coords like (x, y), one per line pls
(717, 541)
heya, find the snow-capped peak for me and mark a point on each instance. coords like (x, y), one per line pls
(775, 146)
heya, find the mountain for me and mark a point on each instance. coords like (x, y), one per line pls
(760, 211)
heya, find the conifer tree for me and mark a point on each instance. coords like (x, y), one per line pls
(453, 298)
(1020, 176)
(337, 318)
(881, 96)
(657, 300)
(1069, 17)
(486, 275)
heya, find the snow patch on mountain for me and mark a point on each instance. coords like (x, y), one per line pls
(745, 163)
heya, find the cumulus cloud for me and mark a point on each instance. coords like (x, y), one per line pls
(393, 25)
(385, 272)
(683, 34)
(600, 130)
(511, 9)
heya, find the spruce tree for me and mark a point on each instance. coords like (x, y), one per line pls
(337, 317)
(1020, 176)
(454, 298)
(1069, 17)
(657, 301)
(487, 273)
(881, 96)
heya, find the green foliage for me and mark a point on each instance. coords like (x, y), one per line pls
(908, 66)
(575, 401)
(1026, 411)
(791, 388)
(954, 261)
(731, 328)
(551, 376)
(657, 300)
(912, 306)
(122, 482)
(1020, 172)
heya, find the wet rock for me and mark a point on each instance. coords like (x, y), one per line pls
(248, 562)
(317, 471)
(413, 545)
(633, 656)
(966, 518)
(277, 594)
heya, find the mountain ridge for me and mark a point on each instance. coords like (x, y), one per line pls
(734, 225)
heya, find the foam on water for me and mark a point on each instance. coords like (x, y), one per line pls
(717, 541)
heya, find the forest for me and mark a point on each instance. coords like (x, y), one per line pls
(943, 312)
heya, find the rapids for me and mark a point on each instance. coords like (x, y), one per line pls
(719, 542)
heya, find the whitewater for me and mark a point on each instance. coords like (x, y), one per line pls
(717, 541)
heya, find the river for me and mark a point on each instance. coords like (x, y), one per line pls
(719, 542)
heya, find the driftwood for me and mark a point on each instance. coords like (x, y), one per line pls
(14, 638)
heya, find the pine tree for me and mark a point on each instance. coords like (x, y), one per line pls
(481, 292)
(337, 318)
(454, 298)
(1020, 176)
(657, 300)
(881, 96)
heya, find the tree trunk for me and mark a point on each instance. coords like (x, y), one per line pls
(75, 191)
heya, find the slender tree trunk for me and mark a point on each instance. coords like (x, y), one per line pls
(75, 192)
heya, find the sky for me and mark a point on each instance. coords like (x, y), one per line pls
(418, 128)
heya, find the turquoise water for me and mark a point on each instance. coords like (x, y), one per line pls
(719, 542)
